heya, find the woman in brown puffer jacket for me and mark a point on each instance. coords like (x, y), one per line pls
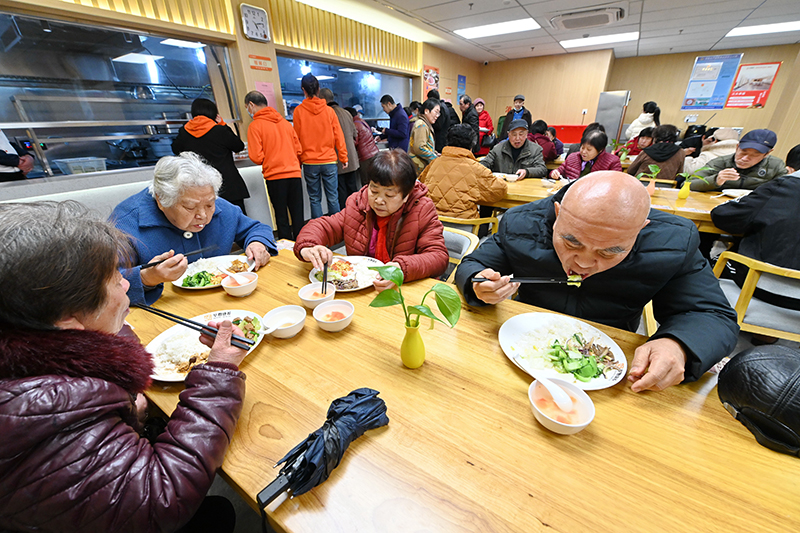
(72, 458)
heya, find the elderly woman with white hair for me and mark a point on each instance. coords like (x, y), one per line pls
(178, 213)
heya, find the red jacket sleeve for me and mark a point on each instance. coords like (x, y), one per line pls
(430, 258)
(325, 231)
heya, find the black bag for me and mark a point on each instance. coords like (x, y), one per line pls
(489, 140)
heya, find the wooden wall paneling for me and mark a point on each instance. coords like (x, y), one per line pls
(786, 119)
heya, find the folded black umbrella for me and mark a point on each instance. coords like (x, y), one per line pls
(311, 462)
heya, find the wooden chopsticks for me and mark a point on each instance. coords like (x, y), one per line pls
(239, 342)
(187, 254)
(529, 280)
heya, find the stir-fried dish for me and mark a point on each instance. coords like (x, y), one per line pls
(583, 359)
(249, 325)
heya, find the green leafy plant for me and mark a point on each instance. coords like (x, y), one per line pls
(623, 153)
(654, 171)
(447, 299)
(691, 176)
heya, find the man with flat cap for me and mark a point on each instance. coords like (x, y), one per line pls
(517, 155)
(518, 112)
(601, 227)
(747, 168)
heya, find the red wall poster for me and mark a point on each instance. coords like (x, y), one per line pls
(752, 85)
(430, 77)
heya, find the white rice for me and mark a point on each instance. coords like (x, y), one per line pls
(364, 275)
(207, 264)
(177, 350)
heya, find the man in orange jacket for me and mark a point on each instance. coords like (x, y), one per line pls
(321, 138)
(273, 144)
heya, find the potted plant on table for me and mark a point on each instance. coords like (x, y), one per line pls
(412, 350)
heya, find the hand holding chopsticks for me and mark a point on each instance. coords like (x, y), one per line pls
(237, 341)
(527, 280)
(187, 254)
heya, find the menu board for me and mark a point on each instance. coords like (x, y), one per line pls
(752, 86)
(711, 81)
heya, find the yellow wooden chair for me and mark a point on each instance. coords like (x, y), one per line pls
(459, 243)
(476, 223)
(752, 314)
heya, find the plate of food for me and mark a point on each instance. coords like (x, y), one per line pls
(736, 193)
(176, 350)
(505, 176)
(563, 347)
(208, 272)
(349, 273)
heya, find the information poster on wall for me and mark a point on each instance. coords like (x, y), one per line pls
(430, 77)
(711, 81)
(462, 87)
(267, 89)
(752, 86)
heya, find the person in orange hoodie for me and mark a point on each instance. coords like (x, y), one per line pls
(208, 135)
(321, 138)
(273, 144)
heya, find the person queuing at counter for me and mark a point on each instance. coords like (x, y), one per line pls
(15, 162)
(602, 229)
(664, 154)
(273, 144)
(592, 157)
(517, 154)
(747, 168)
(178, 213)
(423, 143)
(206, 134)
(442, 124)
(323, 145)
(349, 179)
(517, 112)
(469, 116)
(73, 458)
(391, 219)
(486, 126)
(637, 144)
(399, 130)
(366, 148)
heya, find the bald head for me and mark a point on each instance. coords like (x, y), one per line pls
(598, 221)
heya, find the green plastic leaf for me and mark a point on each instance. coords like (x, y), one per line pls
(390, 273)
(654, 170)
(423, 310)
(448, 302)
(387, 298)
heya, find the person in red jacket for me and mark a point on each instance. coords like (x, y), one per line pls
(486, 126)
(365, 143)
(273, 144)
(537, 132)
(323, 144)
(73, 458)
(591, 158)
(391, 219)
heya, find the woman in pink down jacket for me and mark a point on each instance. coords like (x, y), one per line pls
(71, 402)
(591, 158)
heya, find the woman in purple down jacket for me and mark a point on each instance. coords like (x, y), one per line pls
(71, 402)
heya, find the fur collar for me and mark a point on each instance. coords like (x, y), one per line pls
(76, 353)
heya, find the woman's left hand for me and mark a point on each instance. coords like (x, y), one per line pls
(382, 284)
(258, 253)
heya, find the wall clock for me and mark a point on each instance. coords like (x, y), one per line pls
(255, 23)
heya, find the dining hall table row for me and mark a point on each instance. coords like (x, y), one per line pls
(462, 450)
(697, 207)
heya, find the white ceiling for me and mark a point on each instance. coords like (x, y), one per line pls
(665, 26)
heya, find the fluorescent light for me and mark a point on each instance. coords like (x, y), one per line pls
(501, 28)
(764, 28)
(134, 57)
(349, 70)
(603, 39)
(182, 44)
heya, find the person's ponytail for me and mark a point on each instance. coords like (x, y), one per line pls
(652, 108)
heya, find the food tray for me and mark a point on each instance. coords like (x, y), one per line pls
(81, 165)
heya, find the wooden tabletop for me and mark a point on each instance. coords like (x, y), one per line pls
(462, 451)
(697, 207)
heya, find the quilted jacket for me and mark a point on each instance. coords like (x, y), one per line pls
(72, 459)
(571, 167)
(365, 142)
(457, 183)
(414, 240)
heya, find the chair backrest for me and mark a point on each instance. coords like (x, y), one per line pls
(470, 224)
(258, 206)
(459, 244)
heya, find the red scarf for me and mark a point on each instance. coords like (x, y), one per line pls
(381, 253)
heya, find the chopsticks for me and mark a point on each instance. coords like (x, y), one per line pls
(239, 342)
(325, 278)
(187, 254)
(528, 280)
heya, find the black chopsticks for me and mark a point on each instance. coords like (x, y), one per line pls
(529, 280)
(325, 278)
(205, 329)
(187, 254)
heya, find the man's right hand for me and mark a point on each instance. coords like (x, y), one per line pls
(727, 174)
(25, 163)
(170, 270)
(318, 255)
(221, 349)
(496, 290)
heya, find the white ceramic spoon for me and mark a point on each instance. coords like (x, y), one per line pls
(560, 396)
(238, 278)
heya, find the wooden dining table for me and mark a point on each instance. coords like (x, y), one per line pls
(697, 207)
(462, 451)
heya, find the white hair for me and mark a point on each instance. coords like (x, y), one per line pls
(174, 174)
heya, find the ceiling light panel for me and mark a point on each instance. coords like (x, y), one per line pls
(600, 40)
(500, 28)
(764, 28)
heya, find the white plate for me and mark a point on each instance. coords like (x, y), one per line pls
(363, 282)
(523, 331)
(177, 329)
(223, 262)
(736, 193)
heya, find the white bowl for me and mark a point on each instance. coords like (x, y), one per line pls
(306, 292)
(240, 290)
(290, 318)
(342, 306)
(582, 416)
